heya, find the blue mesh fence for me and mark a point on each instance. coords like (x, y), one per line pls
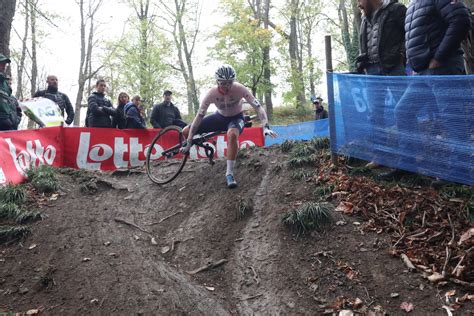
(299, 131)
(422, 124)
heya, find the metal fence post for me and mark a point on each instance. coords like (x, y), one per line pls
(330, 84)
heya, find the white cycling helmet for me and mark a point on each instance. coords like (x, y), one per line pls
(225, 72)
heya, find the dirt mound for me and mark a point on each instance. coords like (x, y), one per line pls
(117, 244)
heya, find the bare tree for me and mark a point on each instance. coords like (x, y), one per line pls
(34, 60)
(266, 63)
(185, 39)
(21, 64)
(350, 26)
(87, 44)
(8, 11)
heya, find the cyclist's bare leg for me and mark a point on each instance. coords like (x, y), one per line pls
(186, 131)
(232, 143)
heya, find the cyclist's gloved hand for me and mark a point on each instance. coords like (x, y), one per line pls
(268, 132)
(186, 148)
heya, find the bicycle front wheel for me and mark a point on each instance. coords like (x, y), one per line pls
(164, 162)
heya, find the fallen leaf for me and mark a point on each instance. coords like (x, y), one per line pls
(136, 237)
(107, 243)
(86, 259)
(33, 246)
(32, 312)
(54, 197)
(435, 277)
(341, 223)
(358, 303)
(345, 207)
(394, 295)
(210, 288)
(165, 249)
(94, 301)
(407, 307)
(466, 236)
(450, 293)
(153, 241)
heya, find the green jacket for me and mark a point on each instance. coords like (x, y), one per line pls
(5, 94)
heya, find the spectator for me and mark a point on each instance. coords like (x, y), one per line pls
(382, 53)
(100, 109)
(166, 114)
(319, 111)
(119, 120)
(6, 111)
(15, 106)
(433, 48)
(132, 114)
(61, 99)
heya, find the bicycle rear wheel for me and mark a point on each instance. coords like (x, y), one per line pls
(164, 162)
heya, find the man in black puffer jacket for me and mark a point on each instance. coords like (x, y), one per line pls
(100, 108)
(434, 32)
(61, 99)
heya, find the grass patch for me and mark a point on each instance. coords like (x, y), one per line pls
(287, 146)
(309, 216)
(12, 212)
(13, 233)
(322, 191)
(13, 194)
(244, 208)
(302, 174)
(306, 153)
(360, 171)
(44, 178)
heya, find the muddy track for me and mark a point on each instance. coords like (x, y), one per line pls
(85, 262)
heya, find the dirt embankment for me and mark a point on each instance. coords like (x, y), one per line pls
(88, 259)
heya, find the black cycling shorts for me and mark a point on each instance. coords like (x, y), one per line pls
(218, 123)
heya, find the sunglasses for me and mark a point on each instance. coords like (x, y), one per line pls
(225, 83)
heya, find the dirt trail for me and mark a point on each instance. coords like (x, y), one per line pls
(85, 262)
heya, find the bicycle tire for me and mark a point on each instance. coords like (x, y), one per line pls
(154, 167)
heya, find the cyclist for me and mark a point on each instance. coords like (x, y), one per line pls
(228, 97)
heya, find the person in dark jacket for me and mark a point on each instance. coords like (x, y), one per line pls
(100, 109)
(166, 113)
(61, 99)
(382, 53)
(6, 111)
(132, 113)
(119, 120)
(434, 32)
(381, 38)
(15, 106)
(319, 111)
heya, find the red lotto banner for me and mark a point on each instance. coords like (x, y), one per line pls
(92, 149)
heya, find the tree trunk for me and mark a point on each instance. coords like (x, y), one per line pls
(8, 11)
(309, 48)
(34, 61)
(21, 64)
(296, 76)
(266, 65)
(183, 47)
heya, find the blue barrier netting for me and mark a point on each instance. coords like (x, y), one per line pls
(422, 124)
(299, 131)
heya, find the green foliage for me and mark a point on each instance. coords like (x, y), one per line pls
(244, 207)
(137, 64)
(13, 233)
(309, 216)
(12, 212)
(240, 42)
(302, 174)
(306, 153)
(322, 191)
(44, 178)
(283, 115)
(287, 145)
(12, 194)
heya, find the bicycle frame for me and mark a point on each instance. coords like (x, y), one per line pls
(198, 140)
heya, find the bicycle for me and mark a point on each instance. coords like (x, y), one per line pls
(163, 167)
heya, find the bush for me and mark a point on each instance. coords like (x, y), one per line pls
(44, 178)
(309, 216)
(13, 194)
